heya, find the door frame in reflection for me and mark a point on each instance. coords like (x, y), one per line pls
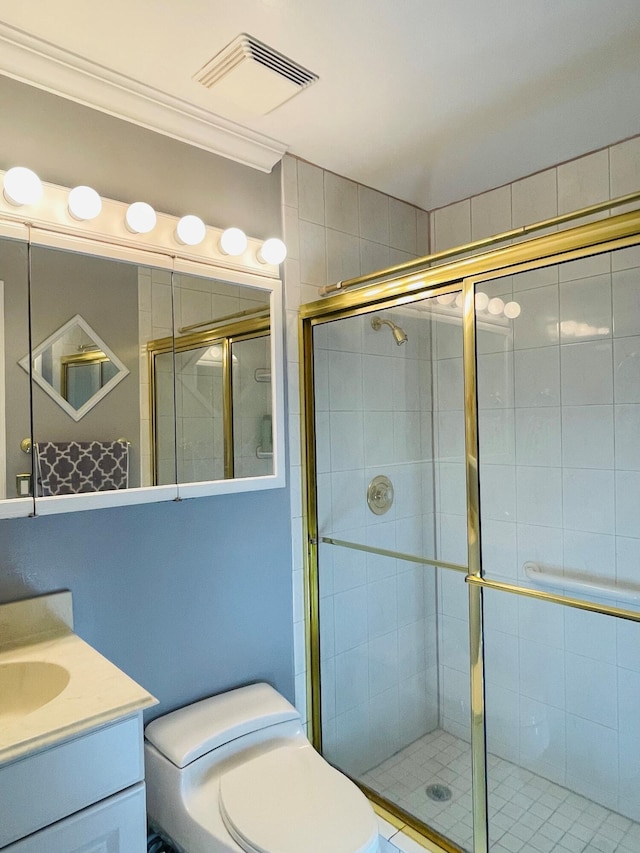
(224, 336)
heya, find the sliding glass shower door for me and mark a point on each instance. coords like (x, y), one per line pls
(394, 662)
(474, 542)
(559, 430)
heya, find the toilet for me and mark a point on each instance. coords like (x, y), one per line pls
(236, 774)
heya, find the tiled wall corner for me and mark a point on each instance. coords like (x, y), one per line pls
(334, 229)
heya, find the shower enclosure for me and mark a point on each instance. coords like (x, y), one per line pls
(473, 520)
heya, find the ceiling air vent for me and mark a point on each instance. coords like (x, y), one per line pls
(254, 76)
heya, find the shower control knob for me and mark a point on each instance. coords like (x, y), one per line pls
(380, 494)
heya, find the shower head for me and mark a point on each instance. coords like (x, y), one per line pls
(399, 335)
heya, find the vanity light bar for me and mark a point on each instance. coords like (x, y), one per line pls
(27, 201)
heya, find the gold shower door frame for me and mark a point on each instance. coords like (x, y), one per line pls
(399, 286)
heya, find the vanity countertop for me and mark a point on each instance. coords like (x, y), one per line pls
(97, 692)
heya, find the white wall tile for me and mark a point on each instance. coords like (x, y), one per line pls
(498, 492)
(583, 182)
(500, 550)
(592, 772)
(379, 448)
(588, 500)
(591, 689)
(626, 302)
(542, 277)
(589, 553)
(539, 496)
(627, 430)
(591, 635)
(352, 678)
(585, 309)
(348, 507)
(625, 167)
(383, 664)
(495, 381)
(535, 198)
(373, 257)
(542, 738)
(541, 622)
(537, 325)
(343, 256)
(626, 356)
(349, 569)
(347, 441)
(627, 560)
(537, 377)
(310, 193)
(542, 672)
(402, 226)
(313, 255)
(538, 436)
(627, 522)
(341, 204)
(491, 213)
(587, 436)
(382, 606)
(452, 225)
(374, 215)
(587, 374)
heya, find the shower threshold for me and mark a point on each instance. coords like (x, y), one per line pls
(527, 813)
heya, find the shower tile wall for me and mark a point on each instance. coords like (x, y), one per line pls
(334, 228)
(560, 478)
(377, 614)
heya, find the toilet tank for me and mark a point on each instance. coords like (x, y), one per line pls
(189, 733)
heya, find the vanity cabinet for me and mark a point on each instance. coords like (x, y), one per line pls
(85, 794)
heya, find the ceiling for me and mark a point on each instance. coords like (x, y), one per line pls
(427, 101)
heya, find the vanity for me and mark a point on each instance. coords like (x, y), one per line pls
(71, 754)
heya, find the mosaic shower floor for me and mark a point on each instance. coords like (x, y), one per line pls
(528, 814)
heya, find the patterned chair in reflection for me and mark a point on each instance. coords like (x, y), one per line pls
(73, 467)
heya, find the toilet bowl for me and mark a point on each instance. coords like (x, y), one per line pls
(236, 774)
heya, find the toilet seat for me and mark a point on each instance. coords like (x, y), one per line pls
(289, 800)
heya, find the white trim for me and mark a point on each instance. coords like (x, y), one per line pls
(46, 66)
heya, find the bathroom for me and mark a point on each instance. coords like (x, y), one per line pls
(218, 581)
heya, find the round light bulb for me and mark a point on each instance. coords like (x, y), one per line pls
(512, 310)
(84, 203)
(482, 300)
(445, 298)
(273, 251)
(233, 241)
(191, 230)
(140, 217)
(458, 300)
(495, 306)
(22, 186)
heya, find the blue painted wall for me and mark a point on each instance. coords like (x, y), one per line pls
(188, 598)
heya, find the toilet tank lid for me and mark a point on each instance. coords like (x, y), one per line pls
(189, 733)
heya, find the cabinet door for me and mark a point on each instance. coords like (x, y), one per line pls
(116, 825)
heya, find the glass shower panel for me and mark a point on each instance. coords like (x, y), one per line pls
(559, 415)
(562, 703)
(394, 649)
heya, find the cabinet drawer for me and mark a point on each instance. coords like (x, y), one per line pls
(116, 825)
(50, 785)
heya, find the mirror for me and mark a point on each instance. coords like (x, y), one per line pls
(147, 384)
(75, 367)
(219, 413)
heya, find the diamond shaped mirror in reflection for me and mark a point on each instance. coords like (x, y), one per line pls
(75, 367)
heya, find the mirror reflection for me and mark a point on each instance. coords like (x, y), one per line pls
(116, 403)
(75, 367)
(219, 414)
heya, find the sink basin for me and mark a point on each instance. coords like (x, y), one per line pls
(26, 686)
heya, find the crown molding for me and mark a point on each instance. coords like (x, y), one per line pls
(34, 61)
